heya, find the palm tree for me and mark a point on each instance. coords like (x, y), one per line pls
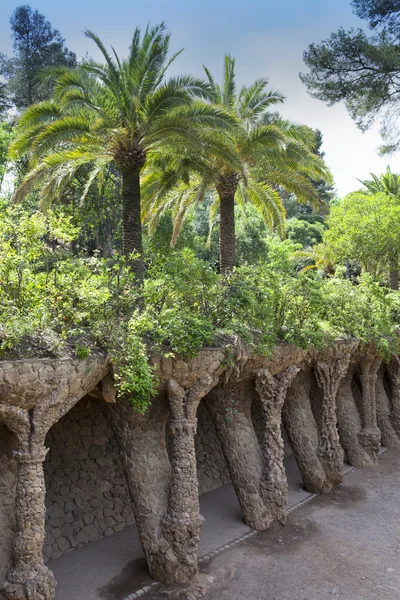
(319, 257)
(118, 113)
(389, 184)
(270, 153)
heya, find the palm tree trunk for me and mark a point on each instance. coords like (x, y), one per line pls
(394, 273)
(227, 237)
(226, 189)
(131, 222)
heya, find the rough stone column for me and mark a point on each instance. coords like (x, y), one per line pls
(182, 522)
(394, 375)
(328, 377)
(390, 439)
(273, 485)
(29, 578)
(303, 434)
(142, 444)
(370, 436)
(350, 424)
(230, 408)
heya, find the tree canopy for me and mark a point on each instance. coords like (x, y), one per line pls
(36, 46)
(362, 70)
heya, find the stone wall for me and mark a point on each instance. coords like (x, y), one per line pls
(327, 400)
(212, 471)
(87, 496)
(7, 496)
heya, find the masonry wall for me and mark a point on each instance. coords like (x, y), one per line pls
(87, 497)
(212, 471)
(86, 493)
(7, 495)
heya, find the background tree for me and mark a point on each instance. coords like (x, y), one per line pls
(36, 46)
(365, 228)
(389, 184)
(114, 115)
(272, 155)
(361, 70)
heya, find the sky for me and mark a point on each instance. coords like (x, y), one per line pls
(266, 37)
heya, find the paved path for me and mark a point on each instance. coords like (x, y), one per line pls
(114, 567)
(345, 546)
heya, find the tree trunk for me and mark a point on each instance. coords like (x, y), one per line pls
(394, 273)
(131, 222)
(226, 189)
(227, 238)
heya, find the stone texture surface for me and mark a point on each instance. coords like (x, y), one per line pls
(8, 471)
(218, 417)
(87, 495)
(273, 484)
(212, 470)
(34, 395)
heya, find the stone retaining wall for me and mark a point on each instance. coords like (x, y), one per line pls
(7, 497)
(212, 471)
(86, 493)
(211, 416)
(87, 496)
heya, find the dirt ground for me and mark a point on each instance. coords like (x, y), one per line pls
(343, 546)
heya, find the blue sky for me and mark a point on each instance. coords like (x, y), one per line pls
(266, 37)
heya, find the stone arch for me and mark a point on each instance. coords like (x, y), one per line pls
(8, 481)
(87, 496)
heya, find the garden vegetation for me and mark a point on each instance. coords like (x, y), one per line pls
(119, 176)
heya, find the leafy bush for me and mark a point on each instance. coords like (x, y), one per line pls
(69, 303)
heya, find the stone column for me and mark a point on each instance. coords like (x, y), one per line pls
(182, 522)
(390, 439)
(303, 435)
(328, 377)
(394, 375)
(370, 436)
(273, 485)
(230, 408)
(349, 423)
(30, 578)
(142, 445)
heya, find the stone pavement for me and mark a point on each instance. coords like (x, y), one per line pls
(114, 567)
(342, 546)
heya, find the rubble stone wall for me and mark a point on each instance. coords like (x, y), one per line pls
(87, 496)
(7, 496)
(212, 470)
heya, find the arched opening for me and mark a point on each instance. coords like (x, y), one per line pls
(8, 472)
(86, 493)
(90, 531)
(219, 504)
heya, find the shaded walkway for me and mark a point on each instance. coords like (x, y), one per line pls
(114, 567)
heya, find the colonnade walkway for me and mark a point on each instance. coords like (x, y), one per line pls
(114, 567)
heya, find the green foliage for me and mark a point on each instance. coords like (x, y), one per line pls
(66, 289)
(6, 135)
(303, 232)
(361, 70)
(365, 228)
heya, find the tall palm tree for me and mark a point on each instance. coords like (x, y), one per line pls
(270, 153)
(120, 112)
(389, 184)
